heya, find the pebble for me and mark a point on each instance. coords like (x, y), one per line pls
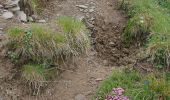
(82, 6)
(7, 15)
(80, 97)
(1, 98)
(1, 6)
(1, 32)
(91, 10)
(99, 79)
(12, 3)
(17, 8)
(80, 18)
(30, 19)
(42, 21)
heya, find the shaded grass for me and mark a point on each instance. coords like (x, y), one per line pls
(149, 25)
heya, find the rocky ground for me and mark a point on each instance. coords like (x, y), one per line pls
(105, 23)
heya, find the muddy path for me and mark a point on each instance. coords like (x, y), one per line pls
(106, 24)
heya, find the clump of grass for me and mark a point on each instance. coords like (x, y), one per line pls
(137, 30)
(156, 22)
(137, 87)
(36, 43)
(75, 32)
(34, 76)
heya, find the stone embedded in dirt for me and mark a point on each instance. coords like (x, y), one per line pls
(1, 32)
(22, 16)
(42, 21)
(11, 3)
(99, 79)
(80, 18)
(7, 15)
(14, 9)
(80, 97)
(82, 6)
(1, 6)
(30, 19)
(105, 62)
(91, 9)
(1, 98)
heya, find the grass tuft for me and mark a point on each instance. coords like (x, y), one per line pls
(153, 31)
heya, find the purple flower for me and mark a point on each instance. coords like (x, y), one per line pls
(118, 91)
(117, 98)
(117, 95)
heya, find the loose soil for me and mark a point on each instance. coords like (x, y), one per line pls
(106, 24)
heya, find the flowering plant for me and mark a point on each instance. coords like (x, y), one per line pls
(117, 94)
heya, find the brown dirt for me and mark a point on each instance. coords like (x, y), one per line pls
(108, 51)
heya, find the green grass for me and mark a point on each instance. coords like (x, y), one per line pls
(40, 51)
(38, 43)
(149, 25)
(137, 86)
(34, 73)
(75, 32)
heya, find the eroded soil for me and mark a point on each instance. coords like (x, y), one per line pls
(106, 24)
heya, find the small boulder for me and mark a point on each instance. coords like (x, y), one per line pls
(7, 15)
(22, 16)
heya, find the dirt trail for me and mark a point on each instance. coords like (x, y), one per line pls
(106, 25)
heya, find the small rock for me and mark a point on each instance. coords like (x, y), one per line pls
(30, 19)
(17, 8)
(99, 79)
(81, 10)
(90, 25)
(22, 16)
(91, 19)
(82, 6)
(80, 18)
(7, 15)
(1, 32)
(11, 3)
(42, 21)
(5, 10)
(35, 17)
(85, 11)
(80, 97)
(105, 62)
(91, 10)
(1, 6)
(112, 44)
(1, 98)
(1, 28)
